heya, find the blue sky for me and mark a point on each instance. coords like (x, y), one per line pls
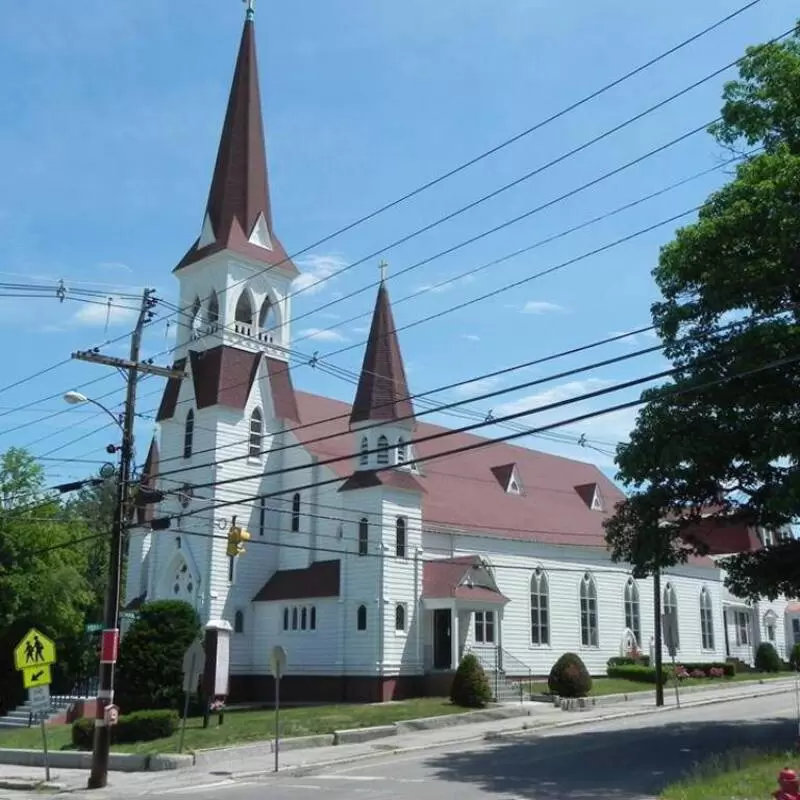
(116, 111)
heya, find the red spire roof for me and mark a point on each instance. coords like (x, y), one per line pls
(382, 394)
(238, 202)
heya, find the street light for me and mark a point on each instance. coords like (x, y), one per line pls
(77, 399)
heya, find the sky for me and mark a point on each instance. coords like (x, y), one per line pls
(115, 114)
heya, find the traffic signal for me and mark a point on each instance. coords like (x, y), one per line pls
(237, 536)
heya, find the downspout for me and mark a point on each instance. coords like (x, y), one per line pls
(417, 609)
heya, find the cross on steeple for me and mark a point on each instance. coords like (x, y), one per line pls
(251, 11)
(383, 267)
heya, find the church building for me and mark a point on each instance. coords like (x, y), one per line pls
(382, 548)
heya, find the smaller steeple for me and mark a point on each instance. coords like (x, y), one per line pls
(382, 394)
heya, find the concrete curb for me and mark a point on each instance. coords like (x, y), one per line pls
(25, 785)
(582, 703)
(118, 762)
(531, 730)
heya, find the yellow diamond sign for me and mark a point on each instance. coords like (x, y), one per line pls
(34, 650)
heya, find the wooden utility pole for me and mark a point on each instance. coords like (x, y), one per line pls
(131, 368)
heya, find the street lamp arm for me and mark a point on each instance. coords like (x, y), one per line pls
(76, 398)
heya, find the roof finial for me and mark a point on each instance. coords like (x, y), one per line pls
(383, 267)
(251, 11)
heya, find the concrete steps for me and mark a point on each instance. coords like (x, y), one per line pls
(23, 716)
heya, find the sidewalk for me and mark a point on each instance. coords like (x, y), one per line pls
(251, 761)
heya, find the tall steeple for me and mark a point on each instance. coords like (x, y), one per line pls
(238, 213)
(382, 394)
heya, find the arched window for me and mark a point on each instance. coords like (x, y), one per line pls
(188, 434)
(400, 617)
(213, 307)
(364, 457)
(238, 622)
(401, 450)
(383, 450)
(540, 608)
(670, 604)
(244, 309)
(363, 536)
(707, 621)
(303, 618)
(312, 618)
(589, 633)
(286, 618)
(256, 433)
(400, 537)
(296, 512)
(262, 516)
(294, 618)
(361, 618)
(633, 617)
(194, 313)
(264, 314)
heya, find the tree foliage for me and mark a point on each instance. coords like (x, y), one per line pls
(470, 687)
(569, 677)
(151, 655)
(732, 448)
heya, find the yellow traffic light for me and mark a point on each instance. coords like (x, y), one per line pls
(236, 538)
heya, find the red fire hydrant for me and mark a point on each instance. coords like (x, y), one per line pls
(788, 785)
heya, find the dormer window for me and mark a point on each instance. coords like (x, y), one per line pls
(597, 501)
(383, 450)
(508, 478)
(591, 496)
(364, 457)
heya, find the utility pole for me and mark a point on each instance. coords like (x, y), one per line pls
(131, 368)
(658, 642)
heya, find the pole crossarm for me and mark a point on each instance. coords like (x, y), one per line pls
(127, 364)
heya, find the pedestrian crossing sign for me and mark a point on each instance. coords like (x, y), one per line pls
(34, 650)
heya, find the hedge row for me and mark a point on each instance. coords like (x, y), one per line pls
(141, 726)
(623, 661)
(643, 674)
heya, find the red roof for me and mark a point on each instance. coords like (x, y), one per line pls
(320, 579)
(382, 394)
(239, 192)
(462, 492)
(443, 578)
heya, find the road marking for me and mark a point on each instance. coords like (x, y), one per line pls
(367, 778)
(229, 784)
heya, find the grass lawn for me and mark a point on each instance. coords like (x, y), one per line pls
(604, 686)
(741, 775)
(251, 726)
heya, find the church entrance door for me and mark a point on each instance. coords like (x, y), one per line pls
(442, 639)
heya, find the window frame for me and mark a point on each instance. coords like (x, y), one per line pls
(589, 612)
(255, 442)
(485, 622)
(539, 609)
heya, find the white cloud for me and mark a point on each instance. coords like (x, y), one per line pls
(118, 312)
(541, 307)
(316, 272)
(444, 285)
(479, 386)
(360, 331)
(320, 335)
(471, 337)
(114, 266)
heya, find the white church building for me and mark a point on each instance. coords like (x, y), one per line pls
(374, 564)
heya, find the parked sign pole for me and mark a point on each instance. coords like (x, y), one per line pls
(670, 625)
(278, 663)
(46, 753)
(192, 660)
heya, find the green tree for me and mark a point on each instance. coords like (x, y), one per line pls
(42, 579)
(734, 447)
(151, 655)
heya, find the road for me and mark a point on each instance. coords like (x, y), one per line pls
(625, 759)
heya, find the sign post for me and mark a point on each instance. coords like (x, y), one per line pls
(277, 661)
(193, 663)
(670, 625)
(33, 657)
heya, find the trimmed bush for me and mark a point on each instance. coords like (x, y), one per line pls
(142, 726)
(633, 672)
(624, 661)
(642, 674)
(569, 677)
(470, 685)
(83, 733)
(767, 658)
(150, 670)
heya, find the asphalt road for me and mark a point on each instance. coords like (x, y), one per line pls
(627, 759)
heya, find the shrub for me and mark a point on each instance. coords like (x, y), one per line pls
(716, 672)
(470, 685)
(83, 733)
(144, 726)
(623, 661)
(633, 672)
(642, 674)
(794, 658)
(569, 677)
(150, 674)
(767, 658)
(698, 673)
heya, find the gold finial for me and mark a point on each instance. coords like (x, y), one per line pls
(383, 267)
